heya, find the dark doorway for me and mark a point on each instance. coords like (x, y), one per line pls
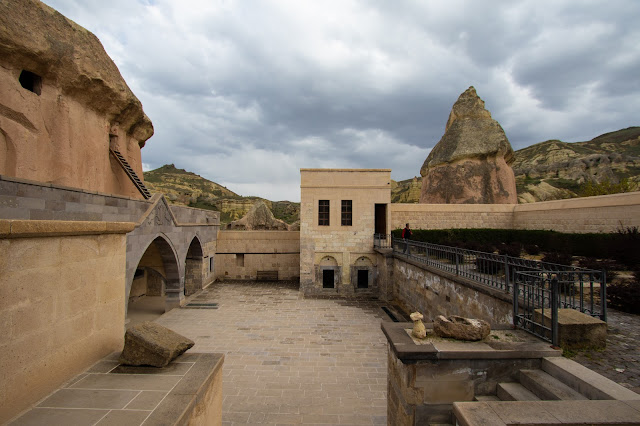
(363, 278)
(381, 219)
(327, 278)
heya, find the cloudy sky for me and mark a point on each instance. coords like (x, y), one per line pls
(245, 93)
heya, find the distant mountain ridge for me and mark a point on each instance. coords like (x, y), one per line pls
(554, 169)
(189, 189)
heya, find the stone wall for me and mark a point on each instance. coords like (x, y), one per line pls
(606, 213)
(28, 199)
(451, 216)
(336, 247)
(61, 303)
(241, 254)
(416, 288)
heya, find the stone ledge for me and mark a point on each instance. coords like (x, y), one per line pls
(547, 412)
(57, 228)
(409, 352)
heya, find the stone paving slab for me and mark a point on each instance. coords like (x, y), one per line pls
(290, 360)
(620, 361)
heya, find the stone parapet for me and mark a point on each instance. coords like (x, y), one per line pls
(606, 213)
(416, 287)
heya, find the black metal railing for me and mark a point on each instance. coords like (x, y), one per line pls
(578, 288)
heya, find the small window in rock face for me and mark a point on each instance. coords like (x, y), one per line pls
(30, 81)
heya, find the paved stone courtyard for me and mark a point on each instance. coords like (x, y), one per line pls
(290, 360)
(620, 362)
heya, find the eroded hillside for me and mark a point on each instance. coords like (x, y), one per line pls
(189, 189)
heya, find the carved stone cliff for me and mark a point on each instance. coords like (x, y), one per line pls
(470, 164)
(63, 100)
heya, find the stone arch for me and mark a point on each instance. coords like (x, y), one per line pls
(363, 274)
(156, 279)
(363, 261)
(193, 267)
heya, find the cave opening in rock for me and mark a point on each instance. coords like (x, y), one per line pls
(30, 81)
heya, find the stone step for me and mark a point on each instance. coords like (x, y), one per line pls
(547, 387)
(587, 382)
(515, 392)
(486, 398)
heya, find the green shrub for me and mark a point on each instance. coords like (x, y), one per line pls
(623, 246)
(589, 189)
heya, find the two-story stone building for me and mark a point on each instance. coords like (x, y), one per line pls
(340, 210)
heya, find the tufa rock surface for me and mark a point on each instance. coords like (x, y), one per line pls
(470, 164)
(259, 217)
(39, 39)
(152, 344)
(460, 328)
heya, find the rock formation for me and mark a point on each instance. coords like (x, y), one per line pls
(152, 344)
(63, 101)
(470, 164)
(460, 328)
(259, 217)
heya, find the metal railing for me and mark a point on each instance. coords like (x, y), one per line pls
(528, 280)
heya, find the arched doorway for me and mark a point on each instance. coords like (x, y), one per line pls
(362, 274)
(328, 273)
(193, 268)
(156, 279)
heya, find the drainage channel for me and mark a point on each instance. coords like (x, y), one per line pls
(195, 305)
(390, 314)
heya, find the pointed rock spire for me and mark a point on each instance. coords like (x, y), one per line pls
(470, 164)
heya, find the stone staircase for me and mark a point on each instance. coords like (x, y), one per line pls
(560, 388)
(131, 173)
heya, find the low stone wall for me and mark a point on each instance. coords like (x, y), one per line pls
(451, 216)
(417, 288)
(25, 199)
(241, 254)
(61, 303)
(606, 213)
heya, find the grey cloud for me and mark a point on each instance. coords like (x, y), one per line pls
(360, 84)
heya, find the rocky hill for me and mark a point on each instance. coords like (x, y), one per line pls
(189, 189)
(554, 169)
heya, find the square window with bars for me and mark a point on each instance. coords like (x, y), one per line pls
(323, 212)
(346, 212)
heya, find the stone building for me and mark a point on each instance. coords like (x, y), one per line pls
(340, 210)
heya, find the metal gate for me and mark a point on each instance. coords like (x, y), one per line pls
(539, 294)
